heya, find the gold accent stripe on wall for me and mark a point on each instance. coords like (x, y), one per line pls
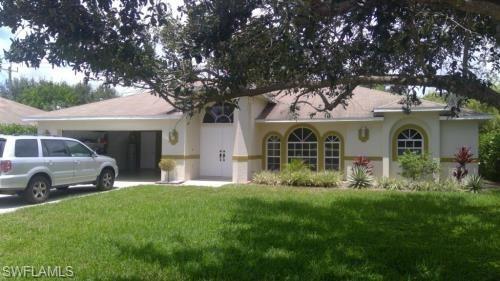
(452, 159)
(244, 158)
(371, 158)
(181, 157)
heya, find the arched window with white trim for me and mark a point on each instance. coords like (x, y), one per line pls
(332, 152)
(273, 152)
(411, 140)
(303, 145)
(219, 113)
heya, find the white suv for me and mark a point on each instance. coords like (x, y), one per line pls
(31, 166)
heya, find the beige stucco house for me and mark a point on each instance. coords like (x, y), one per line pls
(261, 133)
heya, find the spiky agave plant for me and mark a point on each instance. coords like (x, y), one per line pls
(360, 178)
(474, 183)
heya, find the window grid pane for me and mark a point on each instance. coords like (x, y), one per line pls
(302, 145)
(332, 153)
(410, 140)
(273, 153)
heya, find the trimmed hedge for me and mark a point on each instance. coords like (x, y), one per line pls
(16, 129)
(299, 178)
(489, 155)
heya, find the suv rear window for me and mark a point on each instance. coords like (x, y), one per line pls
(2, 146)
(55, 148)
(26, 148)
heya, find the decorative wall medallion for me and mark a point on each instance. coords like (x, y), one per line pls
(173, 137)
(363, 134)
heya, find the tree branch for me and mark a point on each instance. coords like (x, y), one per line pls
(461, 86)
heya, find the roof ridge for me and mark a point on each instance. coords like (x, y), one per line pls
(97, 102)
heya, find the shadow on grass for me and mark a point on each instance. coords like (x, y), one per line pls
(410, 237)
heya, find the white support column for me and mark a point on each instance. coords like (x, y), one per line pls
(244, 131)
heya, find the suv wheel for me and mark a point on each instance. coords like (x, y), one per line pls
(38, 190)
(106, 180)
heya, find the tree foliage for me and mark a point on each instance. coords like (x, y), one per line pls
(49, 95)
(220, 50)
(17, 129)
(489, 155)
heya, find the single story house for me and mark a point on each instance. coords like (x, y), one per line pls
(223, 142)
(12, 112)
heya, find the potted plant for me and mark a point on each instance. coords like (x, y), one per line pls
(167, 165)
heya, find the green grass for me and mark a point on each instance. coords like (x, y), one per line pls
(260, 233)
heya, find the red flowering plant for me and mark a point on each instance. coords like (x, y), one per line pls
(362, 161)
(462, 157)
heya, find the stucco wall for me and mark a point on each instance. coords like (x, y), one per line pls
(443, 138)
(428, 121)
(455, 134)
(353, 146)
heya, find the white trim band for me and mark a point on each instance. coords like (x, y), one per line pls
(89, 118)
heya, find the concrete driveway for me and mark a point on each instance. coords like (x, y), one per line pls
(11, 203)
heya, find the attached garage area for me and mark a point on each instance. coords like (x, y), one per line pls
(133, 129)
(137, 153)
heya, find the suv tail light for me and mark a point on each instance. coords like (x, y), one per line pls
(5, 166)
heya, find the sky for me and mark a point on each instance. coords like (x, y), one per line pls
(46, 71)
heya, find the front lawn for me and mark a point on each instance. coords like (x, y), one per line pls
(260, 233)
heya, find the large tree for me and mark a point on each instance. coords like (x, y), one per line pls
(215, 50)
(48, 95)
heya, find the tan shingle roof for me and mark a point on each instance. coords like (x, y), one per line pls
(14, 112)
(137, 105)
(361, 105)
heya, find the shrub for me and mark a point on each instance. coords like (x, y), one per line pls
(489, 155)
(167, 165)
(462, 157)
(303, 177)
(360, 178)
(417, 166)
(267, 177)
(445, 185)
(16, 129)
(300, 177)
(362, 161)
(392, 183)
(327, 179)
(474, 183)
(427, 185)
(295, 165)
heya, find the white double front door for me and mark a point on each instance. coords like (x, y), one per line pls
(216, 151)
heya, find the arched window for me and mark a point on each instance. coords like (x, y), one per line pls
(273, 150)
(219, 113)
(303, 145)
(332, 152)
(410, 139)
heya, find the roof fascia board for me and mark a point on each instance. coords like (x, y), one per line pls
(372, 119)
(390, 110)
(91, 118)
(473, 117)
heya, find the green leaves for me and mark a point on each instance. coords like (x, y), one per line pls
(218, 50)
(50, 96)
(16, 129)
(489, 156)
(417, 166)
